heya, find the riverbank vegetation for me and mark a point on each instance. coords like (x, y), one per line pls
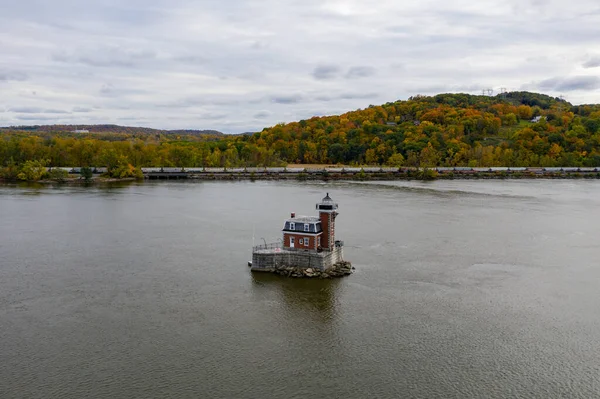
(37, 170)
(513, 129)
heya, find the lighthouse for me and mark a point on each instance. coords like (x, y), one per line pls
(308, 246)
(327, 213)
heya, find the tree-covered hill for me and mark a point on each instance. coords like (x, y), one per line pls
(510, 129)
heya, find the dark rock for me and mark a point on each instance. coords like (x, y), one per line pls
(338, 270)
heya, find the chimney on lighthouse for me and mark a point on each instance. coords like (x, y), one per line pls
(327, 214)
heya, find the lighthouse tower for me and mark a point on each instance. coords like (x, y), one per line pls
(327, 214)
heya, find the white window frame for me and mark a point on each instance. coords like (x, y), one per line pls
(306, 227)
(301, 241)
(318, 241)
(306, 242)
(292, 226)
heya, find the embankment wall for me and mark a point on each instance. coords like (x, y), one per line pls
(263, 261)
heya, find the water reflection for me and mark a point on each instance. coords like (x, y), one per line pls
(313, 298)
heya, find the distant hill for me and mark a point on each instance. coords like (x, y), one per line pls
(451, 129)
(516, 129)
(110, 129)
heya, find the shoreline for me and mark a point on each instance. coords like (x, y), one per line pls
(383, 177)
(73, 181)
(334, 174)
(233, 178)
(369, 173)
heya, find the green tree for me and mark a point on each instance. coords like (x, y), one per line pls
(58, 174)
(395, 160)
(87, 173)
(32, 171)
(10, 171)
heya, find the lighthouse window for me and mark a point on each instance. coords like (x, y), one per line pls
(301, 241)
(292, 226)
(306, 227)
(306, 242)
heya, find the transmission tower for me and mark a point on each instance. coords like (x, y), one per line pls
(561, 103)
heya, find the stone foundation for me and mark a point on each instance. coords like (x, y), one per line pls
(272, 260)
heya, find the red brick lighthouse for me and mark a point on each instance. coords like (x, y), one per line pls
(310, 232)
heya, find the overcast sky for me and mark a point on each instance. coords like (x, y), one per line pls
(241, 65)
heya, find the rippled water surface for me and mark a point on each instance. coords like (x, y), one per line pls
(463, 289)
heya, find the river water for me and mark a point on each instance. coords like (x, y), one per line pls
(463, 289)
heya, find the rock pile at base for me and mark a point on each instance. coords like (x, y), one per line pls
(338, 270)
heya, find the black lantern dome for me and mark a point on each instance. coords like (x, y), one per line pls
(327, 204)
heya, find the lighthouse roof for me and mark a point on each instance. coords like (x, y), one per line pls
(327, 204)
(327, 200)
(304, 219)
(303, 224)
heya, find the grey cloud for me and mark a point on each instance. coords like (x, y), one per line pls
(469, 88)
(326, 72)
(132, 118)
(422, 90)
(397, 66)
(36, 110)
(106, 57)
(26, 110)
(157, 59)
(184, 103)
(592, 62)
(262, 115)
(60, 57)
(192, 102)
(107, 88)
(258, 45)
(110, 90)
(36, 118)
(357, 96)
(213, 116)
(190, 59)
(570, 83)
(16, 76)
(347, 96)
(287, 99)
(360, 72)
(319, 113)
(400, 29)
(330, 72)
